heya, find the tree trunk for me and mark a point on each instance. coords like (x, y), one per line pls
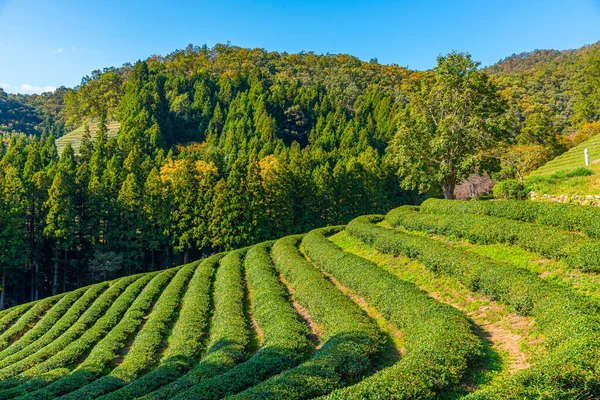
(64, 282)
(3, 290)
(186, 256)
(36, 292)
(32, 252)
(167, 257)
(449, 190)
(55, 275)
(152, 266)
(65, 274)
(32, 282)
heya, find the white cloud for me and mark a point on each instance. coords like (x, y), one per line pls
(27, 88)
(57, 50)
(5, 85)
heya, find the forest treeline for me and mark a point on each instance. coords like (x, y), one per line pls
(224, 147)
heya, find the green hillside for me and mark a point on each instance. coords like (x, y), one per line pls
(573, 159)
(74, 137)
(567, 175)
(489, 300)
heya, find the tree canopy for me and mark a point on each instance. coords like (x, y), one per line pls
(448, 124)
(223, 147)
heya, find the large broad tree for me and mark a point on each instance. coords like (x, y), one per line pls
(447, 126)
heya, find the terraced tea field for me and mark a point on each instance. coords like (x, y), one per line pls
(573, 159)
(76, 136)
(477, 300)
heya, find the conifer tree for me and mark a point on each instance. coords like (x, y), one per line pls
(36, 185)
(48, 150)
(208, 175)
(61, 221)
(96, 188)
(130, 225)
(156, 210)
(278, 198)
(185, 202)
(139, 123)
(14, 247)
(112, 180)
(16, 154)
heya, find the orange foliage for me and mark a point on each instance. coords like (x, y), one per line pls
(268, 165)
(204, 168)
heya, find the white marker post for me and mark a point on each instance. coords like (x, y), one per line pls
(587, 157)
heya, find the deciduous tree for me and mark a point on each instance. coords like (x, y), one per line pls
(447, 126)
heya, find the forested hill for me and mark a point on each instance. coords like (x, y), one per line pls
(189, 94)
(223, 147)
(552, 93)
(545, 59)
(217, 148)
(32, 114)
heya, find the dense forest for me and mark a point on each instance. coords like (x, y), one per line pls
(223, 147)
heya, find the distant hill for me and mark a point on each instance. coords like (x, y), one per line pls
(550, 92)
(540, 59)
(74, 137)
(17, 115)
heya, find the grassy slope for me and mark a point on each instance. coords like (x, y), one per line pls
(572, 159)
(562, 175)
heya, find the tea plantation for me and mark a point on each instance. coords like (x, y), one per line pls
(474, 300)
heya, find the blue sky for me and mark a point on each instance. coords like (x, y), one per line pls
(45, 44)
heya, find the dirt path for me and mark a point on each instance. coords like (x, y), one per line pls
(316, 331)
(513, 336)
(395, 340)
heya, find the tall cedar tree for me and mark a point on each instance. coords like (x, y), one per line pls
(13, 227)
(61, 224)
(131, 224)
(156, 212)
(37, 184)
(137, 112)
(185, 204)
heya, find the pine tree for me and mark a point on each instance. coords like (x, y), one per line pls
(278, 198)
(62, 224)
(48, 150)
(184, 180)
(61, 221)
(240, 221)
(86, 147)
(36, 185)
(16, 154)
(130, 225)
(156, 210)
(83, 201)
(96, 189)
(137, 112)
(208, 176)
(112, 180)
(203, 105)
(14, 247)
(218, 214)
